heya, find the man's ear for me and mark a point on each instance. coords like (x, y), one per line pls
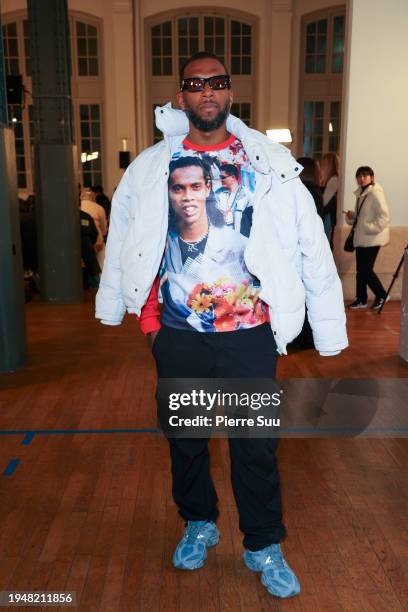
(180, 101)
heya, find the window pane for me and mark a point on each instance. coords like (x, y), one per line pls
(337, 64)
(246, 46)
(21, 181)
(82, 67)
(321, 44)
(310, 44)
(161, 49)
(91, 31)
(80, 27)
(92, 47)
(235, 46)
(319, 106)
(309, 67)
(219, 26)
(338, 24)
(235, 27)
(13, 47)
(208, 25)
(219, 46)
(182, 26)
(12, 29)
(156, 66)
(166, 46)
(322, 26)
(235, 65)
(85, 129)
(156, 47)
(81, 46)
(193, 45)
(208, 45)
(167, 66)
(321, 64)
(93, 66)
(246, 29)
(246, 65)
(312, 128)
(311, 28)
(95, 112)
(194, 25)
(91, 168)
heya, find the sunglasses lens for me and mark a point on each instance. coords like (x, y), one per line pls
(194, 84)
(219, 82)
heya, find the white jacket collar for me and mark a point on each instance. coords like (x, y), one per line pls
(263, 153)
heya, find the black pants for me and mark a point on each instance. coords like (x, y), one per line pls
(365, 259)
(254, 471)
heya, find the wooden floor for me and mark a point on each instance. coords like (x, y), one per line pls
(91, 511)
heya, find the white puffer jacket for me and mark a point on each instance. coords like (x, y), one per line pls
(287, 249)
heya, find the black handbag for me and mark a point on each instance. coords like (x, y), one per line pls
(349, 244)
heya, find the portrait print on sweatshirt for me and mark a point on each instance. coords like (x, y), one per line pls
(205, 284)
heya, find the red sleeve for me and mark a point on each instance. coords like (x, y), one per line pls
(149, 319)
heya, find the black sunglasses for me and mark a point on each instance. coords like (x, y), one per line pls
(193, 84)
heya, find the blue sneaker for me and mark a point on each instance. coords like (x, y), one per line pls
(191, 551)
(277, 576)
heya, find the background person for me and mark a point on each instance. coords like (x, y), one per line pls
(371, 233)
(310, 177)
(330, 185)
(97, 212)
(102, 199)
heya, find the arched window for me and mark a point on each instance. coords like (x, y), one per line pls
(174, 39)
(86, 91)
(321, 81)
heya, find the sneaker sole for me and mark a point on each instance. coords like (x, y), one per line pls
(213, 542)
(271, 592)
(358, 307)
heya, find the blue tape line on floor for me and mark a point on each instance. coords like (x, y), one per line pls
(48, 432)
(27, 439)
(11, 467)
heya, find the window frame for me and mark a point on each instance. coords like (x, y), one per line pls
(84, 89)
(323, 87)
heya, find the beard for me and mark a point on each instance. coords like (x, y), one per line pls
(209, 125)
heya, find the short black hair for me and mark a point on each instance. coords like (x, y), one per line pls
(186, 162)
(199, 56)
(229, 169)
(364, 170)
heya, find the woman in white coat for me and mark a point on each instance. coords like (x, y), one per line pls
(370, 234)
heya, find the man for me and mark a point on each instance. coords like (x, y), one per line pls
(234, 200)
(287, 256)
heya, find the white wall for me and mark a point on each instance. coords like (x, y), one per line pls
(376, 94)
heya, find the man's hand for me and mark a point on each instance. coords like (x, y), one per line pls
(151, 337)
